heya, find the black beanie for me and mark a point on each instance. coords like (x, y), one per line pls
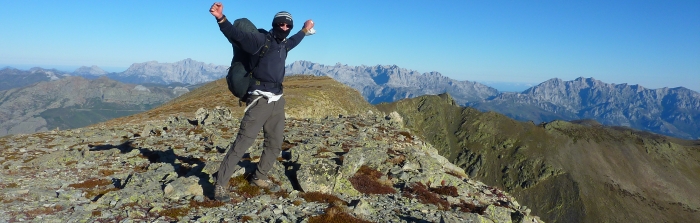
(283, 17)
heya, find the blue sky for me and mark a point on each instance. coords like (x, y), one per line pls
(651, 43)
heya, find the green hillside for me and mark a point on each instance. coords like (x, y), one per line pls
(564, 171)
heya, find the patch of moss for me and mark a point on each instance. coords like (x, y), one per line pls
(243, 188)
(175, 213)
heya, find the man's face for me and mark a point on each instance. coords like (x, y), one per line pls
(284, 26)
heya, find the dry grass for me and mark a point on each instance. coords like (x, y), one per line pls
(94, 187)
(335, 214)
(425, 196)
(322, 198)
(33, 213)
(367, 180)
(175, 213)
(306, 96)
(91, 183)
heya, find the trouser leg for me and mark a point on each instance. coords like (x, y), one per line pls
(273, 130)
(250, 126)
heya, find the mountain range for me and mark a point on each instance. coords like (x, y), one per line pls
(186, 71)
(669, 111)
(391, 83)
(40, 99)
(15, 78)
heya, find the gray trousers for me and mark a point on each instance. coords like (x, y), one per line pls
(260, 114)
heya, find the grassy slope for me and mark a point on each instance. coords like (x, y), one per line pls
(565, 172)
(306, 96)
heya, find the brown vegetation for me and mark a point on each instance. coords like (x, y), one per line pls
(367, 180)
(425, 196)
(335, 214)
(322, 198)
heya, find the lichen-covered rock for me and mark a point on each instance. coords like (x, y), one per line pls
(318, 176)
(183, 188)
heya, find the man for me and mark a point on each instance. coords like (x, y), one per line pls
(265, 104)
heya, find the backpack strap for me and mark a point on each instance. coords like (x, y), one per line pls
(263, 49)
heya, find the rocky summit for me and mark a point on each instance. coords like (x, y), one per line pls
(357, 167)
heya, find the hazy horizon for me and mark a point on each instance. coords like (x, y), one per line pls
(501, 86)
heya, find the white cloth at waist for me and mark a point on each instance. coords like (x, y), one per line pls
(271, 97)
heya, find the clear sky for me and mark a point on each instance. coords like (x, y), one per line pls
(651, 43)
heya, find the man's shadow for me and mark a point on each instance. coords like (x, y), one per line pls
(193, 167)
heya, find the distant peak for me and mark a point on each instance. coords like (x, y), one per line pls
(93, 70)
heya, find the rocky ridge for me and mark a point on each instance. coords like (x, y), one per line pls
(383, 83)
(363, 168)
(578, 171)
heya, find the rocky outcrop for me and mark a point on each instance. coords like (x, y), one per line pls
(346, 168)
(391, 83)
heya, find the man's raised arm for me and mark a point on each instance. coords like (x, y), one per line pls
(249, 42)
(296, 38)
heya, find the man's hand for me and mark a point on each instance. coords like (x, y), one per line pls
(217, 10)
(309, 24)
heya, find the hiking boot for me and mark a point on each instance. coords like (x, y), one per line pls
(259, 182)
(221, 194)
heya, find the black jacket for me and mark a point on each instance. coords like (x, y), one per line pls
(270, 71)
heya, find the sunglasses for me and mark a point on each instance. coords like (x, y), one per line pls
(284, 25)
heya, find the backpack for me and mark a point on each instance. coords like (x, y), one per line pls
(238, 78)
